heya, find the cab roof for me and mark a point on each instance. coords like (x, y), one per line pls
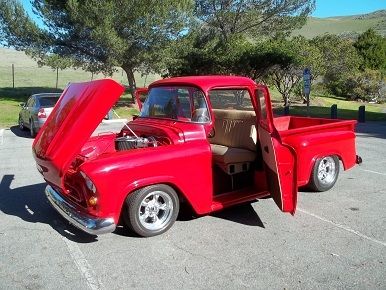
(208, 82)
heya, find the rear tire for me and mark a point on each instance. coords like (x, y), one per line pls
(32, 129)
(151, 210)
(325, 173)
(21, 124)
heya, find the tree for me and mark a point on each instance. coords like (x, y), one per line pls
(278, 61)
(97, 35)
(372, 48)
(252, 17)
(340, 60)
(365, 85)
(289, 58)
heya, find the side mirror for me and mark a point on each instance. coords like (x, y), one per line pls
(211, 133)
(22, 105)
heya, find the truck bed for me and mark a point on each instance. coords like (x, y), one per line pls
(315, 137)
(291, 125)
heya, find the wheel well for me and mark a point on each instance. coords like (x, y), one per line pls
(320, 156)
(181, 198)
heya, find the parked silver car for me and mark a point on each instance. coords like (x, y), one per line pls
(36, 111)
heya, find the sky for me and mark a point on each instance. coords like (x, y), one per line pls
(328, 8)
(324, 8)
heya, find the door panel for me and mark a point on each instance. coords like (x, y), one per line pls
(140, 96)
(279, 159)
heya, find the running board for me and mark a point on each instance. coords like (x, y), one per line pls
(236, 197)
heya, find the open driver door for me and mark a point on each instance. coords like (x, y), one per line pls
(279, 159)
(140, 95)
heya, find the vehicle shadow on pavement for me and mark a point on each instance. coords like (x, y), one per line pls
(30, 204)
(372, 129)
(20, 133)
(243, 214)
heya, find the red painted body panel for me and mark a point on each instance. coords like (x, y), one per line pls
(316, 137)
(206, 83)
(66, 155)
(76, 115)
(139, 92)
(279, 159)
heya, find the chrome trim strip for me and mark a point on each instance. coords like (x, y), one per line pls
(83, 221)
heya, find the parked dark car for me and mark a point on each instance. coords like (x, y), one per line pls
(36, 111)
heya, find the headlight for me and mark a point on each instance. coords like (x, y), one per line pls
(90, 185)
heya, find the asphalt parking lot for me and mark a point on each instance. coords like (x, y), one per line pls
(337, 239)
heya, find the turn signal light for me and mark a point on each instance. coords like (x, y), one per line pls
(93, 201)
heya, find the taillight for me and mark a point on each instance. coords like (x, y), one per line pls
(42, 113)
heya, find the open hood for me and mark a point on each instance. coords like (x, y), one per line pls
(74, 118)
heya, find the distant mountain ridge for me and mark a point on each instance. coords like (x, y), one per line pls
(349, 26)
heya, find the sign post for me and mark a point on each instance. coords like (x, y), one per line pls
(307, 87)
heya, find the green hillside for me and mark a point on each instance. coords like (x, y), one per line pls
(28, 74)
(29, 79)
(346, 25)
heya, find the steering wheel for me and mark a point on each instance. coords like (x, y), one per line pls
(200, 117)
(203, 119)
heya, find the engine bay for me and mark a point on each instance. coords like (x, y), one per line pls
(127, 140)
(132, 142)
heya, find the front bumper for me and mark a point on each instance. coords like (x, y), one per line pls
(83, 221)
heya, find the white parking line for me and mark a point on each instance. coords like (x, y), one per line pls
(114, 121)
(343, 227)
(371, 171)
(82, 265)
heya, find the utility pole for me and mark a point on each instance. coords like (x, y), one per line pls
(13, 76)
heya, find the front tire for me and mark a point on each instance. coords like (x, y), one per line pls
(325, 173)
(151, 210)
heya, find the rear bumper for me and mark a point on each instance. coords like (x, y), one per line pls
(83, 221)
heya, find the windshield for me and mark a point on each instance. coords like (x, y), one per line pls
(177, 103)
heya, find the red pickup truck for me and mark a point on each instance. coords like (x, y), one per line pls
(208, 141)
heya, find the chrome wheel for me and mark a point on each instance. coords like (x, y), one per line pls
(151, 210)
(327, 170)
(155, 210)
(325, 173)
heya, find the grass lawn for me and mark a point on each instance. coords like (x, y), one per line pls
(9, 113)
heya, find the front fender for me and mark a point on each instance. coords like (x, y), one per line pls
(187, 167)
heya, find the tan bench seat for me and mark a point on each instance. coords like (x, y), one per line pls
(234, 144)
(226, 155)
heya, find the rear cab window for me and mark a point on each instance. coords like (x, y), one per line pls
(231, 99)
